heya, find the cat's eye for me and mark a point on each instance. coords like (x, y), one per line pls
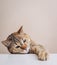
(17, 46)
(24, 40)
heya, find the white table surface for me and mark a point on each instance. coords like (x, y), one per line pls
(26, 59)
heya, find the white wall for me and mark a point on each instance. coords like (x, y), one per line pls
(39, 18)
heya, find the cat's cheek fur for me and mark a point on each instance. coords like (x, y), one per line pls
(19, 50)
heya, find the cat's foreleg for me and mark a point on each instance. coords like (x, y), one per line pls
(40, 51)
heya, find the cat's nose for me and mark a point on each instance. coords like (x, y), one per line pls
(24, 46)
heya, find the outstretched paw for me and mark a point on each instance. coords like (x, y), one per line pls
(43, 55)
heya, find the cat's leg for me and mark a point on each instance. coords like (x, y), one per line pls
(40, 51)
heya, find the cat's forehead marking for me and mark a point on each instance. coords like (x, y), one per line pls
(19, 37)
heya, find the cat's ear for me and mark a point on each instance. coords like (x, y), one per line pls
(6, 43)
(20, 31)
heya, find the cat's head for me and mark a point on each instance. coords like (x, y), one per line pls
(18, 42)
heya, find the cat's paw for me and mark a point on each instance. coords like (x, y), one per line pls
(42, 55)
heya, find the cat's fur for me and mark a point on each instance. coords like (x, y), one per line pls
(20, 42)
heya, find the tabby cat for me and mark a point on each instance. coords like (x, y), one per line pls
(21, 43)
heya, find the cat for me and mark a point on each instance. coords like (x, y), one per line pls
(21, 43)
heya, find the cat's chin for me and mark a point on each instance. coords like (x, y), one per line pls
(23, 52)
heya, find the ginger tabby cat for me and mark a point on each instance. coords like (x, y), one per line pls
(21, 43)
